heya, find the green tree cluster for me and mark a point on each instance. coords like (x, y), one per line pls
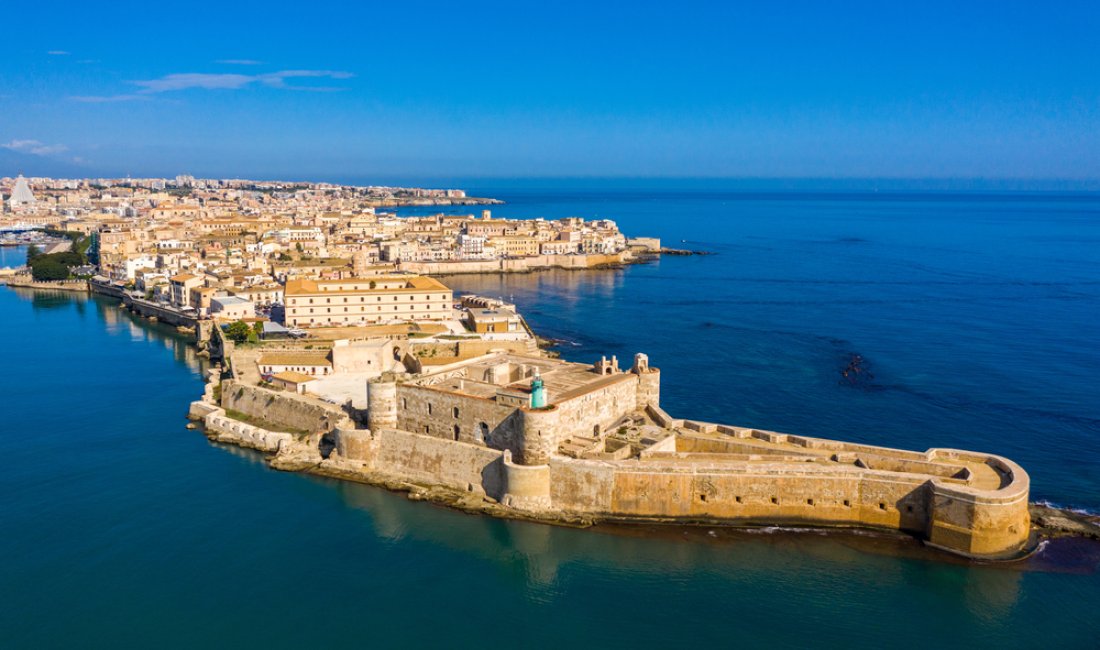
(239, 331)
(54, 266)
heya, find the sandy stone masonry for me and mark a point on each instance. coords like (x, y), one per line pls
(603, 448)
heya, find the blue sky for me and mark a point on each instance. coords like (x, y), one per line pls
(466, 90)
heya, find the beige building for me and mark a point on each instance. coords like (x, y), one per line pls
(382, 299)
(313, 363)
(181, 286)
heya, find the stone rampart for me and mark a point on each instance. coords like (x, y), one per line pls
(423, 459)
(287, 409)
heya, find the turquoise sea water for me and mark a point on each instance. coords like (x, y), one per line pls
(12, 256)
(977, 314)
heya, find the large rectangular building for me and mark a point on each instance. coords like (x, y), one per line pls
(365, 301)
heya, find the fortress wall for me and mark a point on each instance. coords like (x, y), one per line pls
(580, 486)
(414, 416)
(853, 497)
(981, 522)
(277, 408)
(433, 461)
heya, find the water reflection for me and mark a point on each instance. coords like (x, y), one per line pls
(538, 554)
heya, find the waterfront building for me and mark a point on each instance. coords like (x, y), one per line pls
(180, 287)
(360, 301)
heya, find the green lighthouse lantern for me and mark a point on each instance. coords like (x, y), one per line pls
(538, 392)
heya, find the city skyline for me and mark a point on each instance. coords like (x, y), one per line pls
(495, 91)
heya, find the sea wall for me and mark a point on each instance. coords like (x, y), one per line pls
(25, 281)
(150, 309)
(518, 265)
(225, 429)
(945, 512)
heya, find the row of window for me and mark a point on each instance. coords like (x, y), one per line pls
(328, 301)
(480, 433)
(328, 310)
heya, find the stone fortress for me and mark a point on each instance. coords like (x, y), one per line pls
(553, 440)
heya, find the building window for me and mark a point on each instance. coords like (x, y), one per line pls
(454, 412)
(457, 431)
(429, 408)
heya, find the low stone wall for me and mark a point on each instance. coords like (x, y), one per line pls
(25, 281)
(281, 408)
(163, 314)
(441, 353)
(225, 429)
(105, 287)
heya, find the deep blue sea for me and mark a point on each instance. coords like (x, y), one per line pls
(977, 315)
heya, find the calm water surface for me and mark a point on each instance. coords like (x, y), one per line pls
(122, 528)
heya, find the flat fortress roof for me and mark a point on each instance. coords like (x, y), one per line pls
(306, 287)
(304, 358)
(563, 380)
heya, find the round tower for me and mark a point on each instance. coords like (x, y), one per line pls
(524, 487)
(381, 404)
(538, 437)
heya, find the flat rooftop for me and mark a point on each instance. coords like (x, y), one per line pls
(509, 372)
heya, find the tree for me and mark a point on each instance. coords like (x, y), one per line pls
(45, 268)
(238, 331)
(32, 253)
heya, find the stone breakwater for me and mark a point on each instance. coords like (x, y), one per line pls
(509, 462)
